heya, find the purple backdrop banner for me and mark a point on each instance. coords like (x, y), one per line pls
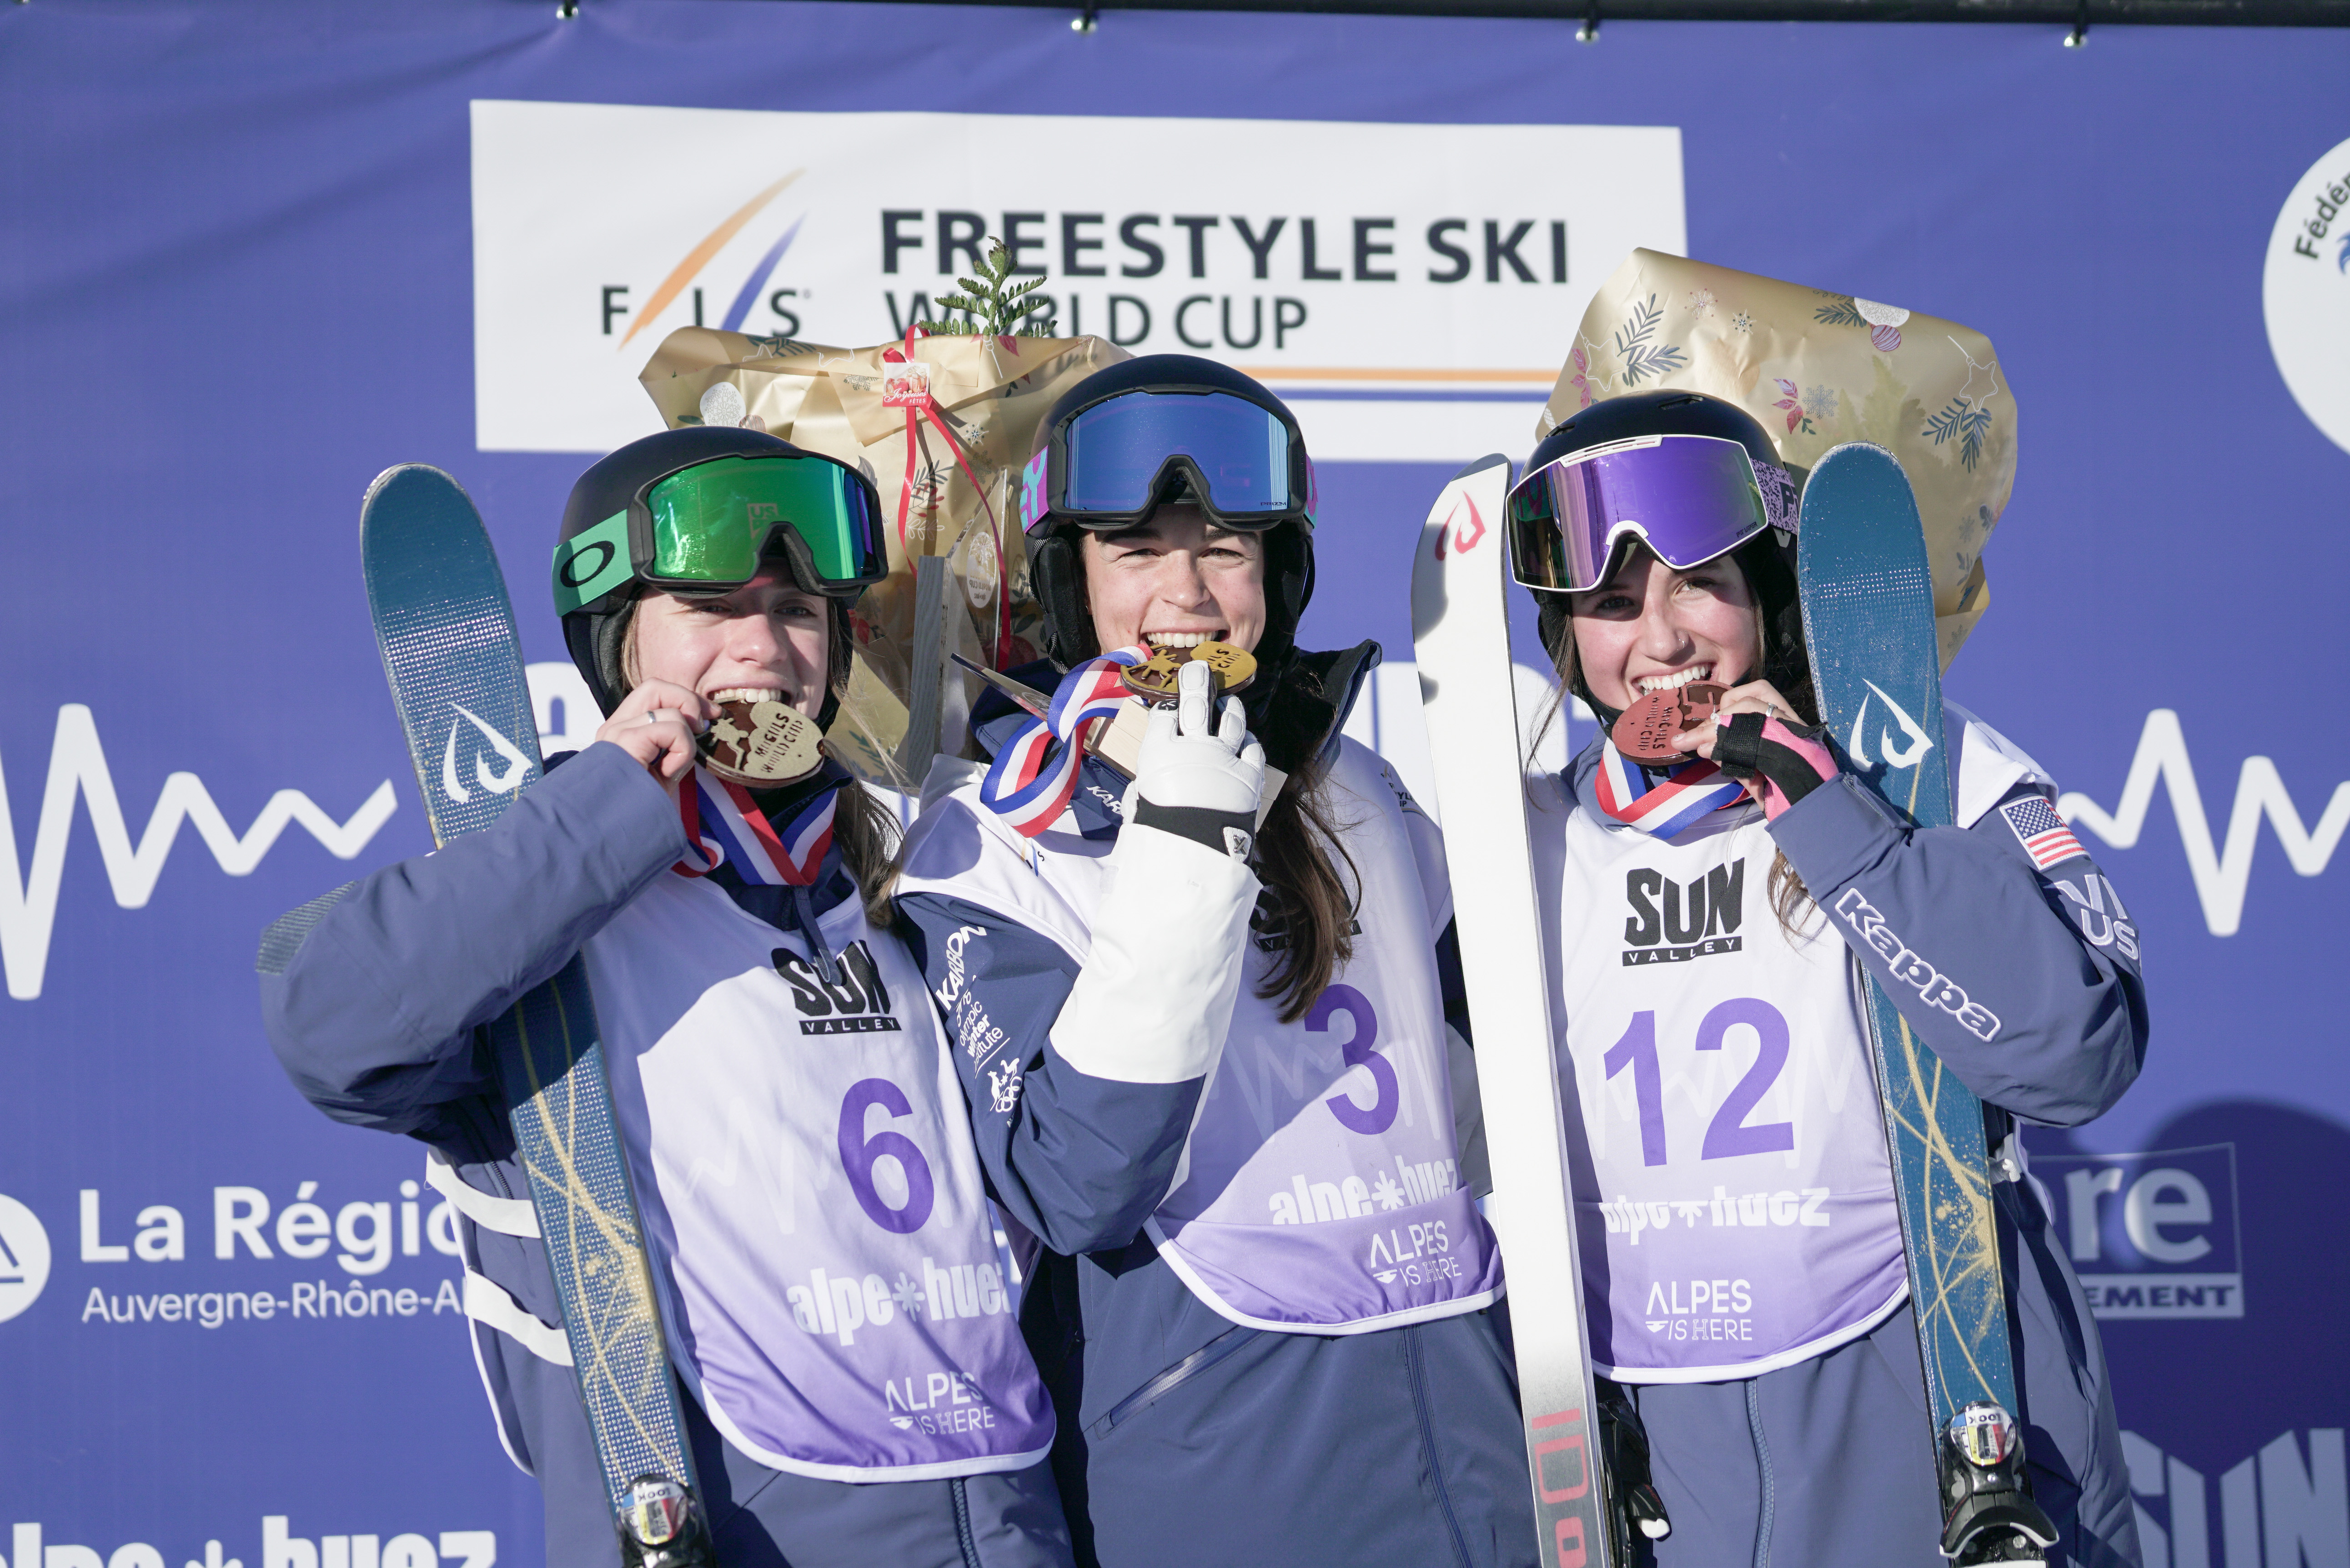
(241, 268)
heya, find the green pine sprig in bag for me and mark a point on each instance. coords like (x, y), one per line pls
(994, 302)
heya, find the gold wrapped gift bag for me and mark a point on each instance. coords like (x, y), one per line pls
(1818, 369)
(942, 426)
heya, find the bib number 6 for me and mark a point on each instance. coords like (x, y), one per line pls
(860, 1152)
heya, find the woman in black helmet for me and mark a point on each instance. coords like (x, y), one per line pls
(1202, 1016)
(1742, 1256)
(854, 1389)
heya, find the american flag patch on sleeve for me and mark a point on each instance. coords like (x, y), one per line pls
(2041, 831)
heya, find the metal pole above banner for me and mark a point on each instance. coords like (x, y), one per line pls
(2079, 15)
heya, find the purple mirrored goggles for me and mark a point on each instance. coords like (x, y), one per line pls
(1688, 497)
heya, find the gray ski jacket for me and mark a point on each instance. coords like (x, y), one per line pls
(1829, 1460)
(372, 997)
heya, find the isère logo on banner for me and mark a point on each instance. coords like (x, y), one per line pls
(2152, 1235)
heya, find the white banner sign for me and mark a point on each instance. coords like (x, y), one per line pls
(1412, 288)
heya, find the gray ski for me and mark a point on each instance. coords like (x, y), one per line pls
(1868, 619)
(446, 631)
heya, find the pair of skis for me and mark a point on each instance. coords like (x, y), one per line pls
(1868, 616)
(446, 630)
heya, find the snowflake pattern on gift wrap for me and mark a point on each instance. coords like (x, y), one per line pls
(1794, 405)
(1702, 301)
(1820, 403)
(1643, 357)
(1741, 322)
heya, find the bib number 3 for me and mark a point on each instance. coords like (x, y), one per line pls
(1360, 1051)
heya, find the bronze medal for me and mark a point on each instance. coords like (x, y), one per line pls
(761, 743)
(1644, 732)
(1155, 679)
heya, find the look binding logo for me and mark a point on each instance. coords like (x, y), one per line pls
(857, 1003)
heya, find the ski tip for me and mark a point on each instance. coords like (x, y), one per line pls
(1854, 454)
(1482, 463)
(400, 471)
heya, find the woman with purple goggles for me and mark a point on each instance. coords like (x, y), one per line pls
(1743, 1266)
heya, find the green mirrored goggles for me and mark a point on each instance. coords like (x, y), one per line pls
(704, 528)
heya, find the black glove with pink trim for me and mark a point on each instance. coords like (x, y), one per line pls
(1780, 762)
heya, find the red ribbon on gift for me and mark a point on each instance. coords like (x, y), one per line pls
(923, 404)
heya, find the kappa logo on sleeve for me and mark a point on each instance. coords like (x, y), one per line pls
(857, 1004)
(1938, 989)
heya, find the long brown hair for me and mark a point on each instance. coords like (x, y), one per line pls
(1790, 899)
(1310, 926)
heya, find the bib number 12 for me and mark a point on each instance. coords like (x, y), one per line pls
(1728, 1135)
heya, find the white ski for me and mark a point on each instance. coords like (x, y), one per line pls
(1460, 623)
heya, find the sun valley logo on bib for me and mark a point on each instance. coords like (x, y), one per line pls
(856, 1003)
(1673, 922)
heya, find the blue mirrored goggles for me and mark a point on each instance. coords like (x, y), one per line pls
(1109, 465)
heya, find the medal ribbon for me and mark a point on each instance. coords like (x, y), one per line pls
(926, 407)
(1689, 790)
(721, 818)
(1033, 776)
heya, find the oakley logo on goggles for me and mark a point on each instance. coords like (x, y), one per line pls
(704, 528)
(1106, 465)
(1689, 497)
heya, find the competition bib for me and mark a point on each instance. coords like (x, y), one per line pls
(1320, 1190)
(811, 1194)
(1740, 1190)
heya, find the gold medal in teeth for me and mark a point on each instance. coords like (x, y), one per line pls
(760, 744)
(1234, 667)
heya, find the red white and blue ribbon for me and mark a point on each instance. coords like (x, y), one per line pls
(1033, 776)
(1689, 793)
(730, 829)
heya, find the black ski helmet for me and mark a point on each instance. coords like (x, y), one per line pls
(1767, 559)
(1058, 574)
(596, 638)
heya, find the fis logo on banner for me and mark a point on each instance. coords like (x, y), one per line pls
(1673, 922)
(856, 1003)
(2152, 1235)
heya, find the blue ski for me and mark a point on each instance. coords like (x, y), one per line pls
(1868, 619)
(446, 630)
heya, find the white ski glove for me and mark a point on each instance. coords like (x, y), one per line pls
(1196, 780)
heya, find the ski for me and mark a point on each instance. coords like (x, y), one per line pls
(446, 631)
(1868, 618)
(1460, 625)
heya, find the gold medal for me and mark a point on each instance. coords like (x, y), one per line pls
(761, 743)
(1233, 667)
